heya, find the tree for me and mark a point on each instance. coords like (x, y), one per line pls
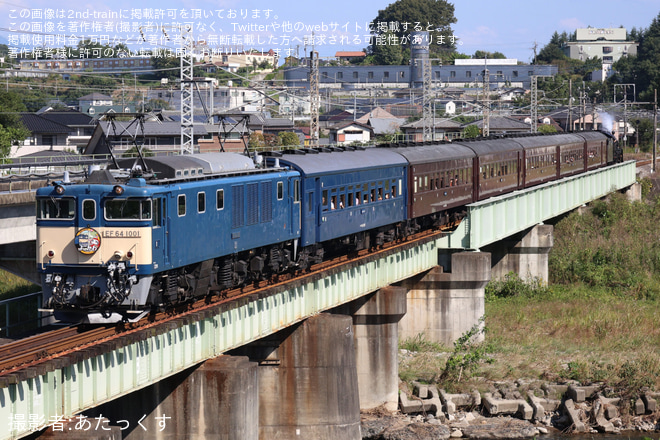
(481, 54)
(643, 69)
(644, 133)
(471, 131)
(12, 129)
(403, 16)
(256, 141)
(385, 50)
(547, 129)
(288, 138)
(553, 50)
(166, 67)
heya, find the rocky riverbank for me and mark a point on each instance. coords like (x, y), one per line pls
(511, 410)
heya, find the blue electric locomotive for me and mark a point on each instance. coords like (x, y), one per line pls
(114, 246)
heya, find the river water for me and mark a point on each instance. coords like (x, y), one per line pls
(628, 435)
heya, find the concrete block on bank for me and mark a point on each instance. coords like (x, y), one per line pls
(429, 404)
(640, 408)
(610, 406)
(541, 405)
(507, 406)
(649, 402)
(574, 416)
(453, 401)
(555, 392)
(581, 393)
(599, 419)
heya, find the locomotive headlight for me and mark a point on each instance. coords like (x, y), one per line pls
(50, 253)
(118, 255)
(59, 189)
(119, 190)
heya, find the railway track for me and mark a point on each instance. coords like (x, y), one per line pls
(35, 350)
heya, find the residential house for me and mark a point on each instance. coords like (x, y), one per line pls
(44, 135)
(382, 121)
(346, 57)
(95, 104)
(346, 133)
(81, 125)
(443, 129)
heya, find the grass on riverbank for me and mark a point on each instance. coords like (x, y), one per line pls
(598, 321)
(12, 286)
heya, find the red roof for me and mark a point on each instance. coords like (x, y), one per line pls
(350, 54)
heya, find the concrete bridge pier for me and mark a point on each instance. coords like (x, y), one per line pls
(526, 254)
(217, 399)
(376, 325)
(448, 300)
(307, 380)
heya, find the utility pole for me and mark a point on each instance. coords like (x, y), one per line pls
(593, 115)
(655, 127)
(625, 108)
(570, 105)
(534, 107)
(186, 63)
(485, 131)
(314, 98)
(584, 106)
(427, 101)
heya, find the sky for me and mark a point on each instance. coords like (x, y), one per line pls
(512, 27)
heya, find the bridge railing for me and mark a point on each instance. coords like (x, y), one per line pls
(19, 314)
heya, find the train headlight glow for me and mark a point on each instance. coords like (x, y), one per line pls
(119, 190)
(59, 189)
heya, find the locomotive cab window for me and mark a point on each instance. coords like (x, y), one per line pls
(127, 209)
(280, 190)
(201, 202)
(89, 209)
(181, 205)
(220, 199)
(56, 209)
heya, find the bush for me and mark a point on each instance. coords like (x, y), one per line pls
(467, 355)
(513, 285)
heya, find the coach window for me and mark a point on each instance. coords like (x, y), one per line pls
(296, 191)
(280, 190)
(181, 203)
(89, 209)
(324, 200)
(365, 193)
(201, 202)
(220, 199)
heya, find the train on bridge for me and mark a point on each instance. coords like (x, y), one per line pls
(161, 231)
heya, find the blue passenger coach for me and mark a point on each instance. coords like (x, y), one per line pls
(349, 196)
